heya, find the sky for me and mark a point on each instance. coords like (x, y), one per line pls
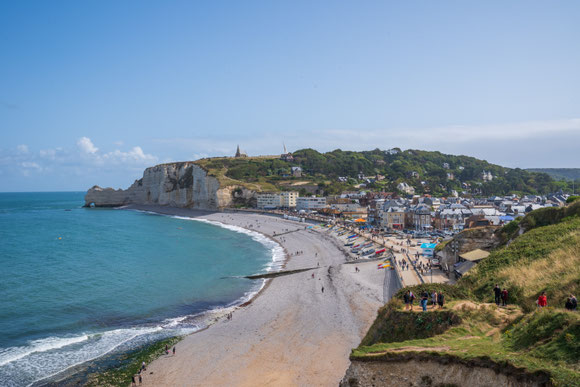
(93, 92)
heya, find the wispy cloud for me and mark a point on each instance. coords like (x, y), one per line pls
(86, 158)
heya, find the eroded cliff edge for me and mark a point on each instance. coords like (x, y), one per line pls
(183, 184)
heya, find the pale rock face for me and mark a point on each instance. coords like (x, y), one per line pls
(182, 184)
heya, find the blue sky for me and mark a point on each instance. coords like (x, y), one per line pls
(94, 92)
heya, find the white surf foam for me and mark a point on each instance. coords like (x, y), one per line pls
(42, 359)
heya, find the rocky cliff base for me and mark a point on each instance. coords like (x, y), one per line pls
(183, 184)
(423, 370)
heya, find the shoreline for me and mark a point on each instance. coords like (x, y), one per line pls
(351, 299)
(205, 319)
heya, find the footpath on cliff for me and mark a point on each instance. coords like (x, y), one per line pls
(293, 333)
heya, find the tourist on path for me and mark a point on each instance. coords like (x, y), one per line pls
(504, 297)
(571, 303)
(497, 292)
(424, 300)
(407, 299)
(173, 351)
(542, 300)
(411, 299)
(140, 379)
(434, 299)
(440, 300)
(133, 383)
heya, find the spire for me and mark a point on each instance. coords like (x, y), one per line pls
(238, 153)
(285, 151)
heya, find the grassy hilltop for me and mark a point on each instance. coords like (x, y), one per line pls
(473, 330)
(427, 172)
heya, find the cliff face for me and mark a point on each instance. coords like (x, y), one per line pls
(182, 184)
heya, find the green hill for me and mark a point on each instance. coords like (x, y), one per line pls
(540, 343)
(427, 172)
(559, 173)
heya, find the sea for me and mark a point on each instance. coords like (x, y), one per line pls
(77, 284)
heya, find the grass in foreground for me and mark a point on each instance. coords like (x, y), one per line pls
(543, 341)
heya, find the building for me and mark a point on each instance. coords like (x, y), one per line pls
(311, 203)
(422, 217)
(393, 218)
(240, 153)
(468, 260)
(288, 199)
(286, 156)
(272, 200)
(269, 200)
(486, 176)
(406, 188)
(296, 171)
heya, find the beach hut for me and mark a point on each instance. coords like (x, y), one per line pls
(468, 260)
(427, 249)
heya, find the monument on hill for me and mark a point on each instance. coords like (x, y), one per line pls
(240, 153)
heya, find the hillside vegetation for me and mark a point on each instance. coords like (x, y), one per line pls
(427, 172)
(540, 253)
(559, 173)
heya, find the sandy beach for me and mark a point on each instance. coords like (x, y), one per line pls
(293, 333)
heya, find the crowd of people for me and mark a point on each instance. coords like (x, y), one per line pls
(437, 299)
(501, 299)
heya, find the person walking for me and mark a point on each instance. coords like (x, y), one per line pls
(424, 300)
(571, 303)
(133, 383)
(434, 299)
(411, 299)
(406, 299)
(174, 351)
(497, 293)
(140, 379)
(542, 300)
(504, 297)
(323, 289)
(440, 300)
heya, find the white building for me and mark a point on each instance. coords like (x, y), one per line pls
(288, 199)
(271, 200)
(310, 203)
(486, 176)
(406, 188)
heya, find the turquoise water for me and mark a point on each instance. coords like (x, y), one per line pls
(77, 283)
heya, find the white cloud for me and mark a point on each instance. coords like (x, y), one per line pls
(135, 155)
(30, 164)
(23, 148)
(86, 145)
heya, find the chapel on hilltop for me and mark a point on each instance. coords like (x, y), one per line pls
(240, 153)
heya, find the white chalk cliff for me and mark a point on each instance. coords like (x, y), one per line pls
(183, 184)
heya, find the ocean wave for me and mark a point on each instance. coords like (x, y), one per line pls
(8, 355)
(45, 358)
